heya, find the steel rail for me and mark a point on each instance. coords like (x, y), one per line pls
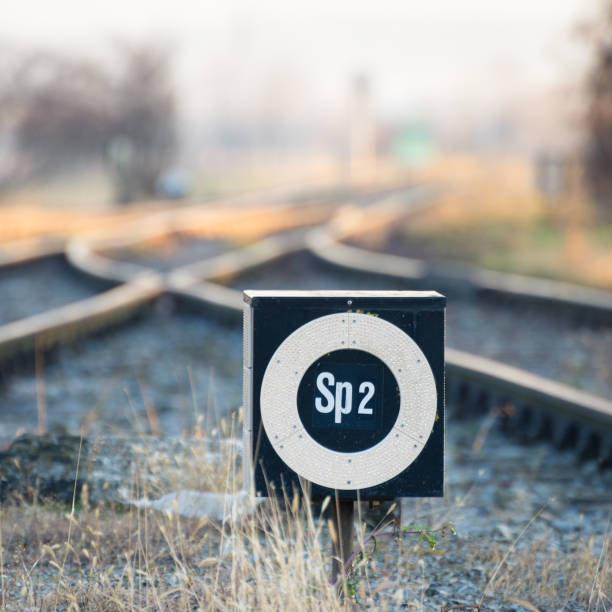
(132, 286)
(539, 407)
(78, 318)
(190, 282)
(596, 303)
(21, 252)
(327, 245)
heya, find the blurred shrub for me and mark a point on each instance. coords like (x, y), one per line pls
(63, 110)
(143, 123)
(599, 115)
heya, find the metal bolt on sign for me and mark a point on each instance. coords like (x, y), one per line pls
(345, 390)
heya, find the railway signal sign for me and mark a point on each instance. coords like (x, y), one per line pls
(345, 390)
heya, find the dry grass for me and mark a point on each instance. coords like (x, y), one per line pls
(74, 205)
(127, 557)
(552, 579)
(104, 559)
(110, 557)
(476, 187)
(131, 558)
(491, 214)
(23, 222)
(123, 557)
(145, 560)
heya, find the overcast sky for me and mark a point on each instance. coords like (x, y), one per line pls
(419, 55)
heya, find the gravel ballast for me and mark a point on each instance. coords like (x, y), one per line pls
(161, 371)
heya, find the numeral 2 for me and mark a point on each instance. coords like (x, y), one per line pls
(368, 389)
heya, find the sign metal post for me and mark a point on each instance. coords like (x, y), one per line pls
(343, 511)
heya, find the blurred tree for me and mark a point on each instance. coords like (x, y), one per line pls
(599, 114)
(64, 111)
(59, 110)
(144, 131)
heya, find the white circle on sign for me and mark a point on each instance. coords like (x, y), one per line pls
(374, 465)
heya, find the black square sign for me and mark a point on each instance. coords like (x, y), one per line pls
(344, 390)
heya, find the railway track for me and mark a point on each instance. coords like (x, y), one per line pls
(530, 405)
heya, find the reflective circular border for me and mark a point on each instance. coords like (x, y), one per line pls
(379, 463)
